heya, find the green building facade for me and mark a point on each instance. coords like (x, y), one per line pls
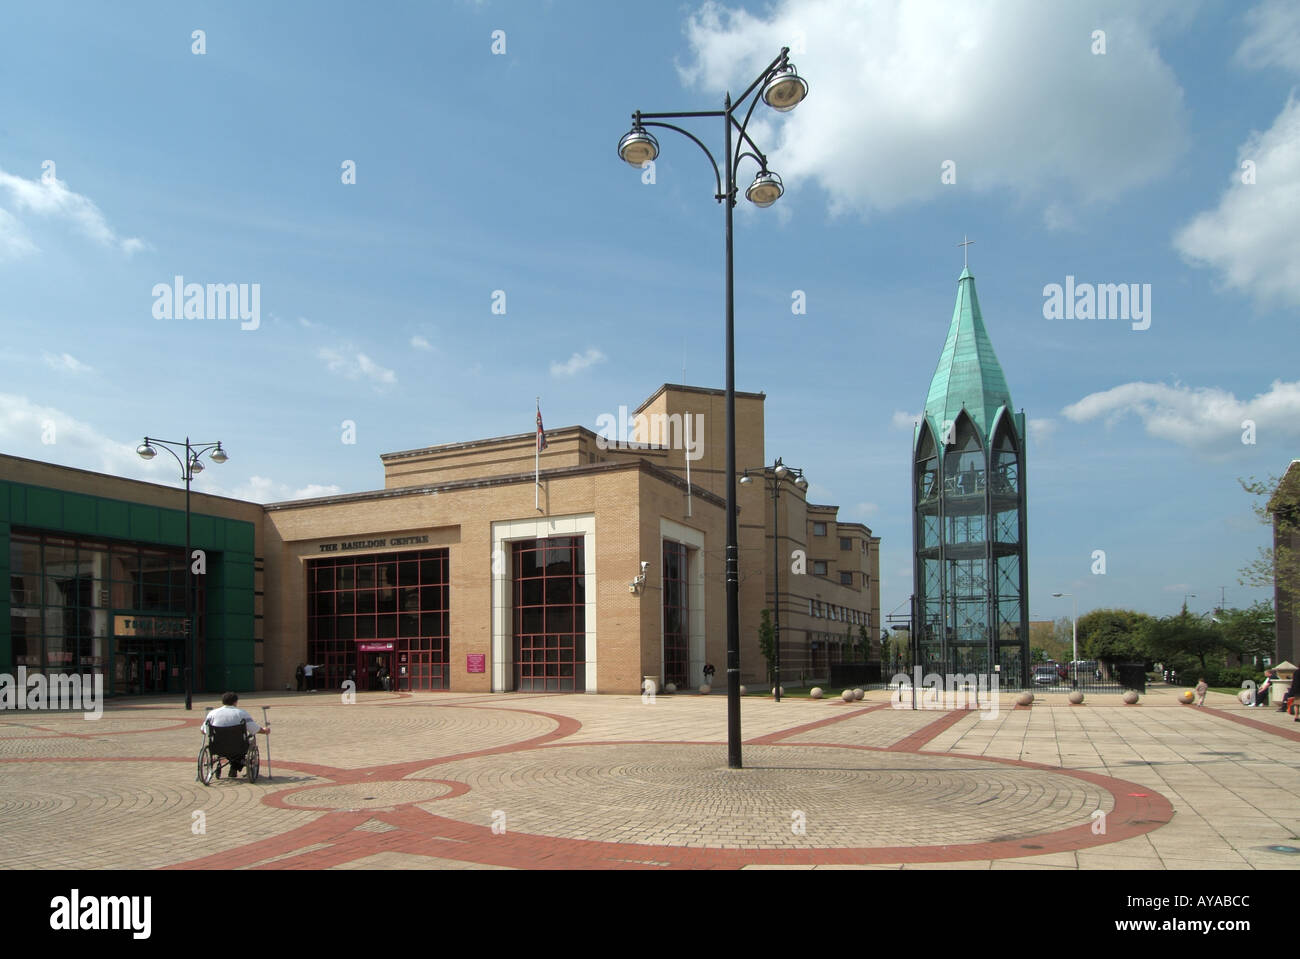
(97, 585)
(968, 494)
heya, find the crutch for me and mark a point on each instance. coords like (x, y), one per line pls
(268, 744)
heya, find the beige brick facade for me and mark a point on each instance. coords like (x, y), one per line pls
(474, 499)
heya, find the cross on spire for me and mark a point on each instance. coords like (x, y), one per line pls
(963, 246)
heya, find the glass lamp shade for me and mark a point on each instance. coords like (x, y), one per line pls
(785, 89)
(219, 455)
(765, 190)
(746, 480)
(801, 483)
(638, 147)
(196, 466)
(146, 452)
(779, 471)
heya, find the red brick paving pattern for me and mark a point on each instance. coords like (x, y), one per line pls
(342, 836)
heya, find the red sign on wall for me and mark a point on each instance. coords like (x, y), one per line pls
(475, 662)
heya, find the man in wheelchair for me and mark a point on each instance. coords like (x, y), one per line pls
(230, 730)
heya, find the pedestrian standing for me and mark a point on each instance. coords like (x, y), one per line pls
(298, 674)
(1202, 687)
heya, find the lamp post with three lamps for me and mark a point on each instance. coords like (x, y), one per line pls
(779, 473)
(782, 90)
(189, 466)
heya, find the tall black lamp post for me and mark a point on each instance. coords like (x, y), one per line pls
(782, 89)
(779, 473)
(189, 466)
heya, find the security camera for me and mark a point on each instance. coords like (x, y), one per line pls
(644, 566)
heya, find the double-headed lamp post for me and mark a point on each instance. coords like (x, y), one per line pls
(189, 466)
(1074, 623)
(779, 473)
(782, 89)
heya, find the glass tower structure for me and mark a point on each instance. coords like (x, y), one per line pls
(968, 495)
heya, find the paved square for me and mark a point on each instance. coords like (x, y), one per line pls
(457, 781)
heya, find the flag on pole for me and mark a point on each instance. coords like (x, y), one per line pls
(537, 459)
(541, 433)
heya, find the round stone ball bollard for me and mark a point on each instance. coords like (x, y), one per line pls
(847, 695)
(774, 690)
(1024, 699)
(743, 690)
(1075, 697)
(816, 692)
(1188, 697)
(670, 687)
(705, 689)
(1131, 697)
(859, 693)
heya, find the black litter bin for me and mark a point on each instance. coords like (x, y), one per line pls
(1132, 676)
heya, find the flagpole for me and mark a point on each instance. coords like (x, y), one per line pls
(537, 462)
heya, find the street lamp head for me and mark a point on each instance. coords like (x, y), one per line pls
(146, 452)
(196, 465)
(801, 483)
(780, 471)
(746, 480)
(785, 89)
(765, 190)
(638, 147)
(219, 455)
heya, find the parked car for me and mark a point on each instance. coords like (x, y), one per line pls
(1045, 675)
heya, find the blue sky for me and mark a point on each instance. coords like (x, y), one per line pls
(478, 171)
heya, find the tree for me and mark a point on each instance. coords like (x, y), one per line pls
(1254, 630)
(1185, 635)
(1113, 635)
(1037, 654)
(886, 649)
(1277, 567)
(767, 643)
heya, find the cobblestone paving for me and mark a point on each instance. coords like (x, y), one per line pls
(538, 781)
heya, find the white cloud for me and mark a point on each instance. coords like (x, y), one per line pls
(1202, 418)
(577, 363)
(866, 509)
(1250, 237)
(420, 343)
(14, 241)
(1274, 38)
(260, 489)
(355, 365)
(307, 324)
(53, 199)
(1041, 430)
(1009, 90)
(905, 421)
(65, 363)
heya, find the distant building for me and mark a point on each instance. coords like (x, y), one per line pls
(968, 491)
(1285, 507)
(462, 573)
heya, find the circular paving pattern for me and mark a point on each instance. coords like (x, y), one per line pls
(376, 795)
(785, 798)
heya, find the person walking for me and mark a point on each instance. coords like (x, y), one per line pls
(1202, 687)
(298, 674)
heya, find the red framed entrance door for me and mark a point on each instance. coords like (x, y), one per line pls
(371, 668)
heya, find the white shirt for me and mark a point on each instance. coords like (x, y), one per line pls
(224, 716)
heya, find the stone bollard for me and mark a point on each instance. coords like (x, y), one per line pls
(670, 688)
(859, 693)
(705, 689)
(1024, 699)
(1188, 697)
(815, 692)
(1131, 697)
(1075, 697)
(743, 690)
(774, 690)
(847, 695)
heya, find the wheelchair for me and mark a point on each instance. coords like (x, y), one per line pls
(228, 743)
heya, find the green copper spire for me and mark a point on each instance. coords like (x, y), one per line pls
(968, 373)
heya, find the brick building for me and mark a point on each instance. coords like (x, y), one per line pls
(461, 573)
